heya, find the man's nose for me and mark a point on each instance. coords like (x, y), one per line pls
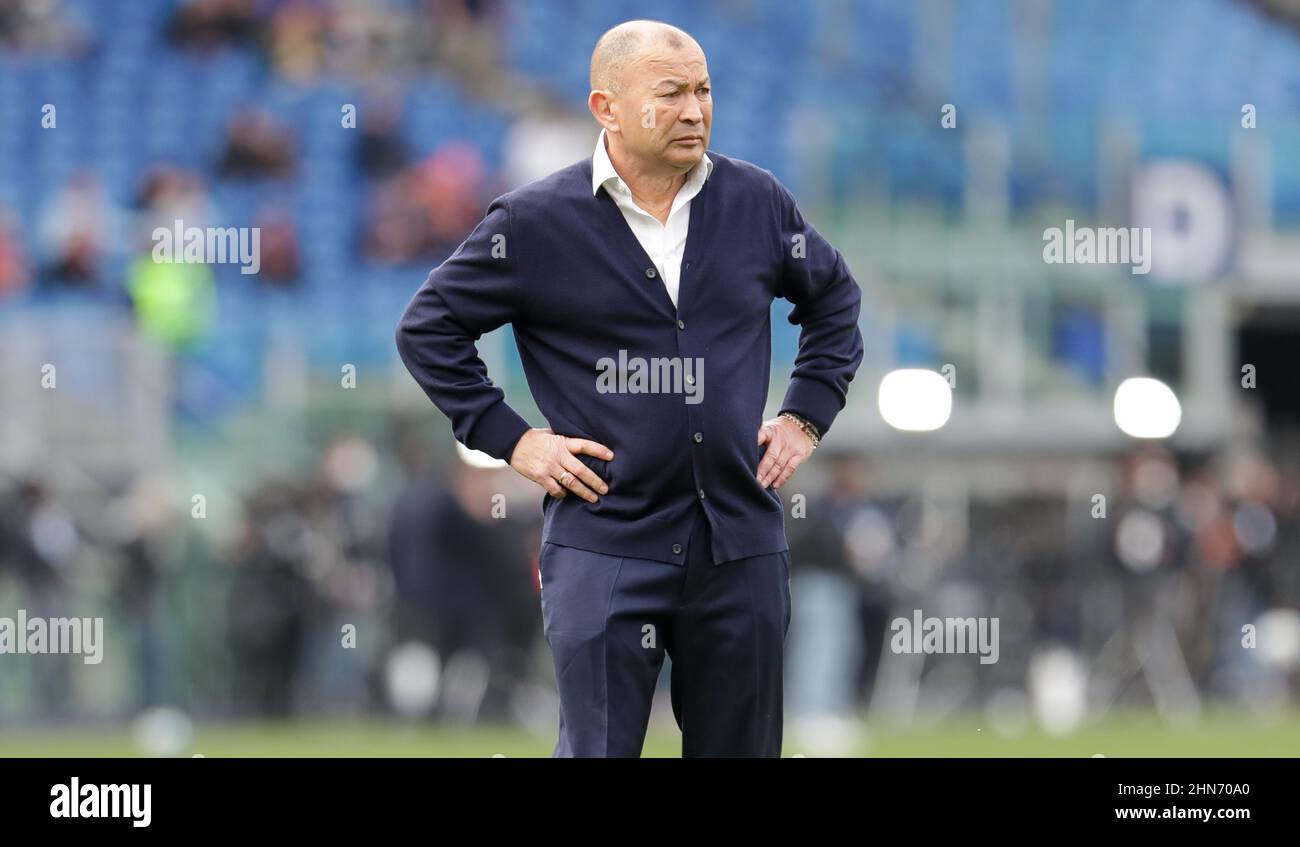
(691, 113)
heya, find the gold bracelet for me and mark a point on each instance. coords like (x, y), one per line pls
(806, 426)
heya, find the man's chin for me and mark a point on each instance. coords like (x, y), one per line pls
(686, 156)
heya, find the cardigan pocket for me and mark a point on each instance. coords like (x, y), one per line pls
(599, 467)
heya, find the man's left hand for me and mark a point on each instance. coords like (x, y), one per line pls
(787, 448)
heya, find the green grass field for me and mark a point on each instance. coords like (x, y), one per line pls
(1131, 735)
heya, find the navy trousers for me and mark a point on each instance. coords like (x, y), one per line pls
(611, 620)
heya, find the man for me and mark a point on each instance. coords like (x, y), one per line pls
(626, 277)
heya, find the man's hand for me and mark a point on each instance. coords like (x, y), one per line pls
(787, 447)
(549, 460)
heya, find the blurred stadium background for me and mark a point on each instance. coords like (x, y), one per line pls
(232, 469)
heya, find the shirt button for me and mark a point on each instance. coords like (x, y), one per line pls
(699, 436)
(650, 272)
(681, 324)
(677, 549)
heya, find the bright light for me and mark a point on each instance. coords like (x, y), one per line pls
(1146, 408)
(915, 400)
(477, 458)
(412, 676)
(1278, 631)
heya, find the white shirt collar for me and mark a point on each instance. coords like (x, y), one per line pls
(602, 169)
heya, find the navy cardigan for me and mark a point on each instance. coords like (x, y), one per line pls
(564, 269)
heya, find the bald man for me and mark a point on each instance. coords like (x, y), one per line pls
(639, 285)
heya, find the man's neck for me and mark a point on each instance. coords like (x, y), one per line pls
(652, 190)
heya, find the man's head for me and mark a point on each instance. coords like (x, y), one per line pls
(650, 90)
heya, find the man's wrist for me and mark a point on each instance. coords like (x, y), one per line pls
(809, 428)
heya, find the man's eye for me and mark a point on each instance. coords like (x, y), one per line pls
(704, 91)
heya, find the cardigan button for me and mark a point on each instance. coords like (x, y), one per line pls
(681, 324)
(699, 436)
(650, 272)
(677, 549)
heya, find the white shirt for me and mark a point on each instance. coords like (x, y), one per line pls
(663, 243)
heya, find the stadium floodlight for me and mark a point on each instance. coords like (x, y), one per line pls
(1146, 408)
(477, 458)
(412, 677)
(1278, 634)
(915, 400)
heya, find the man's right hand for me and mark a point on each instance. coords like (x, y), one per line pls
(550, 461)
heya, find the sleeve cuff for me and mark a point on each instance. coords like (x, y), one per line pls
(813, 401)
(498, 431)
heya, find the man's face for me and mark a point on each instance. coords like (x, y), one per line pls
(667, 107)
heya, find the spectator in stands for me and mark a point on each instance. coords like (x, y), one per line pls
(42, 26)
(205, 25)
(372, 41)
(381, 152)
(394, 228)
(257, 147)
(297, 37)
(167, 194)
(460, 38)
(78, 229)
(449, 186)
(281, 264)
(174, 302)
(425, 211)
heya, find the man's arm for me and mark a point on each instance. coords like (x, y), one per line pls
(478, 289)
(827, 301)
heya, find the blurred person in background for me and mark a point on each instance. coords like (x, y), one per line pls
(412, 550)
(140, 523)
(462, 570)
(422, 212)
(168, 193)
(1149, 551)
(42, 26)
(394, 229)
(257, 147)
(381, 151)
(79, 230)
(449, 187)
(461, 38)
(39, 543)
(272, 601)
(205, 25)
(297, 38)
(838, 627)
(174, 302)
(281, 263)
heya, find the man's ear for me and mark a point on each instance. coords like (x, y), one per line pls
(601, 104)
